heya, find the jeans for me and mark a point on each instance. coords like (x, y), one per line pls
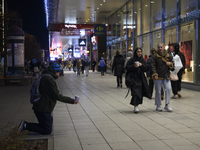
(151, 85)
(102, 70)
(86, 70)
(45, 123)
(78, 71)
(167, 88)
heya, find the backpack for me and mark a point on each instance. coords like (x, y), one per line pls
(34, 92)
(87, 63)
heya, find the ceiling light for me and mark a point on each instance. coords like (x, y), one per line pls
(101, 4)
(152, 2)
(104, 1)
(146, 5)
(97, 8)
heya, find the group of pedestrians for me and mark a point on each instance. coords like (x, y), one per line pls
(158, 69)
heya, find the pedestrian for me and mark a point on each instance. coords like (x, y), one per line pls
(138, 65)
(176, 85)
(118, 68)
(82, 66)
(87, 65)
(74, 65)
(78, 66)
(43, 108)
(93, 65)
(69, 64)
(61, 67)
(129, 55)
(149, 75)
(102, 65)
(161, 64)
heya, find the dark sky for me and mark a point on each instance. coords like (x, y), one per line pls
(33, 18)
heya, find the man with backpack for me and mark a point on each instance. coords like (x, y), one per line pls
(46, 103)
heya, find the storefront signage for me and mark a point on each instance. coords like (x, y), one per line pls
(82, 42)
(99, 29)
(70, 50)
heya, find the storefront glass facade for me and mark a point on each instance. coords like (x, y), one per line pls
(146, 23)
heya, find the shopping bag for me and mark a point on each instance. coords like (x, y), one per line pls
(173, 76)
(177, 64)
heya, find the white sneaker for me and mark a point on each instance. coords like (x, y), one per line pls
(136, 109)
(175, 96)
(168, 108)
(158, 108)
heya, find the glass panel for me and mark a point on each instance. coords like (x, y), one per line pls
(146, 46)
(156, 39)
(130, 45)
(187, 48)
(19, 54)
(170, 13)
(118, 23)
(137, 20)
(123, 21)
(188, 10)
(114, 27)
(124, 49)
(130, 19)
(156, 14)
(136, 42)
(109, 37)
(170, 35)
(198, 8)
(145, 16)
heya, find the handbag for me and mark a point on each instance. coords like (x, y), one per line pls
(177, 63)
(173, 76)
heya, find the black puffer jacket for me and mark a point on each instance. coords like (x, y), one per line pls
(118, 65)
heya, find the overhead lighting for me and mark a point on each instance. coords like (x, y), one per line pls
(104, 1)
(146, 5)
(97, 8)
(152, 2)
(100, 4)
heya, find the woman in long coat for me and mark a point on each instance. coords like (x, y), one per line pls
(118, 67)
(137, 65)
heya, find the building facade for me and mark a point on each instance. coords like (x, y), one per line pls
(146, 23)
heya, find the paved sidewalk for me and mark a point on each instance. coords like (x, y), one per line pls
(104, 120)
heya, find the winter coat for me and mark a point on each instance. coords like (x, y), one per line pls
(78, 64)
(118, 65)
(50, 93)
(140, 87)
(102, 62)
(129, 55)
(159, 67)
(149, 72)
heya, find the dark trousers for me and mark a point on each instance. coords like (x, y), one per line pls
(45, 123)
(151, 85)
(102, 70)
(93, 67)
(119, 80)
(176, 85)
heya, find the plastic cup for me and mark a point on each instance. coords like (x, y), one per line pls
(137, 62)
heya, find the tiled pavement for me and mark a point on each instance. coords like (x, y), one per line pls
(104, 120)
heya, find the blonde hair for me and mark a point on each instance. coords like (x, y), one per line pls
(161, 44)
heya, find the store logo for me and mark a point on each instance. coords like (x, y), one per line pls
(71, 26)
(82, 43)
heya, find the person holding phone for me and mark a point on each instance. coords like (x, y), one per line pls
(44, 107)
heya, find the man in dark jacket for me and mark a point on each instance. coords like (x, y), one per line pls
(118, 67)
(44, 107)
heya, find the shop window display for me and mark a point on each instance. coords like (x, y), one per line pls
(157, 39)
(146, 46)
(170, 13)
(170, 35)
(188, 10)
(130, 25)
(136, 19)
(137, 42)
(187, 48)
(156, 14)
(145, 16)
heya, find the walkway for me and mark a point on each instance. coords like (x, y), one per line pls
(104, 120)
